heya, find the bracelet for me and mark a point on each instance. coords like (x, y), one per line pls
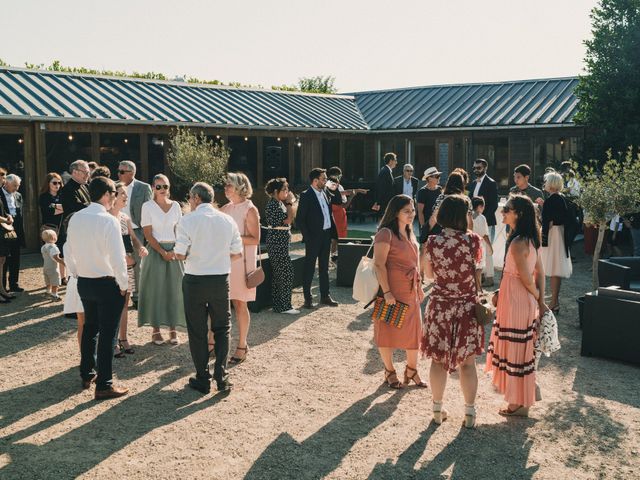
(384, 293)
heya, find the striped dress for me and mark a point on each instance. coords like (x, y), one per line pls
(510, 354)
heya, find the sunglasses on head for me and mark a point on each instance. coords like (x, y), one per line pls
(162, 187)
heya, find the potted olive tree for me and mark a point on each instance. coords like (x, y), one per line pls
(609, 190)
(196, 158)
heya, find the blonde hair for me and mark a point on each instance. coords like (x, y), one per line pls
(554, 181)
(48, 236)
(165, 179)
(241, 184)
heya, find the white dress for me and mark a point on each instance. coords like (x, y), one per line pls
(554, 257)
(72, 302)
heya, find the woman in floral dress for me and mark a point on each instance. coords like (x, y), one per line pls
(452, 336)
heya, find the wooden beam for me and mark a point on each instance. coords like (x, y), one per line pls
(31, 219)
(260, 162)
(291, 142)
(95, 147)
(144, 156)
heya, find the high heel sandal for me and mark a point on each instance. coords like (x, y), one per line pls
(173, 340)
(392, 379)
(439, 415)
(157, 339)
(469, 416)
(237, 360)
(120, 353)
(408, 378)
(521, 411)
(212, 350)
(129, 350)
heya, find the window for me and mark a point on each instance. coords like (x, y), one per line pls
(330, 153)
(244, 156)
(275, 156)
(115, 147)
(496, 152)
(64, 148)
(353, 160)
(552, 151)
(397, 146)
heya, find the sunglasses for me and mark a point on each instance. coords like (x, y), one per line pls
(162, 187)
(115, 192)
(2, 174)
(56, 183)
(122, 172)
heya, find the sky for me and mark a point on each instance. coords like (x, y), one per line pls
(365, 45)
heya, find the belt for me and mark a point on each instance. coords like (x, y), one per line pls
(98, 278)
(276, 228)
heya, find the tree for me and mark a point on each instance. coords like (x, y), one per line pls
(317, 84)
(607, 191)
(196, 158)
(609, 93)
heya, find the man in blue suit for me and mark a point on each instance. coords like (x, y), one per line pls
(315, 221)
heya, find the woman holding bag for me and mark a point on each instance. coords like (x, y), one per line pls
(238, 190)
(395, 253)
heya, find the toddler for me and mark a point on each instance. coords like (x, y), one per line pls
(481, 228)
(51, 257)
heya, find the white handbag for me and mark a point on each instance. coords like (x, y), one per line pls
(365, 282)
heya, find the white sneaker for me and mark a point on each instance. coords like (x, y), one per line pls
(292, 311)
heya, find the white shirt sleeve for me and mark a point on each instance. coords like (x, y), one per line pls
(236, 239)
(145, 215)
(115, 250)
(183, 242)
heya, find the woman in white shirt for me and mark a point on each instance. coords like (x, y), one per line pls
(160, 295)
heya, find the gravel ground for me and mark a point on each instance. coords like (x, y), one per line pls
(308, 403)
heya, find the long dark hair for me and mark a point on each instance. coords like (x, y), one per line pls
(527, 225)
(390, 218)
(455, 184)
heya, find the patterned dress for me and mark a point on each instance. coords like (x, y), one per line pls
(278, 250)
(511, 355)
(128, 248)
(451, 332)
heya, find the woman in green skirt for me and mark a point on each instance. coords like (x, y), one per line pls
(160, 295)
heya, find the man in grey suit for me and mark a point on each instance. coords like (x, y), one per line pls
(138, 192)
(12, 200)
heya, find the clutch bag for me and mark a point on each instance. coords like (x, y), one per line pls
(390, 314)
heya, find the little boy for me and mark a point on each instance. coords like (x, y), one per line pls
(51, 257)
(481, 228)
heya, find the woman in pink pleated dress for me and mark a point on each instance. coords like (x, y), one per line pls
(510, 354)
(238, 190)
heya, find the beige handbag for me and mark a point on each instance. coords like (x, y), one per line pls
(255, 278)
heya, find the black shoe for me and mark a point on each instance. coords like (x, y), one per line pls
(224, 385)
(7, 295)
(16, 288)
(4, 300)
(308, 304)
(203, 386)
(328, 301)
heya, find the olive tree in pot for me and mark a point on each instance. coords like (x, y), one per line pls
(607, 190)
(196, 158)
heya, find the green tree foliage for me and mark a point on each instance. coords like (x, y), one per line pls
(609, 93)
(611, 189)
(317, 84)
(196, 158)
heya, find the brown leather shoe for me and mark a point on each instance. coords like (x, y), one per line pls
(87, 383)
(329, 301)
(308, 304)
(113, 392)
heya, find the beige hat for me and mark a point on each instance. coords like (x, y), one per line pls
(430, 172)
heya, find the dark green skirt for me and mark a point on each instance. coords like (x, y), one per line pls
(160, 291)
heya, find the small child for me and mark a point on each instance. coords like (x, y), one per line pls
(481, 228)
(51, 257)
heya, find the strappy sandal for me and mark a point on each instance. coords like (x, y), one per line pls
(212, 350)
(120, 353)
(157, 339)
(439, 415)
(173, 340)
(521, 411)
(469, 416)
(392, 379)
(408, 378)
(128, 351)
(237, 360)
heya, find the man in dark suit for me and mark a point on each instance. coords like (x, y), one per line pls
(384, 183)
(12, 200)
(486, 187)
(315, 221)
(74, 196)
(406, 183)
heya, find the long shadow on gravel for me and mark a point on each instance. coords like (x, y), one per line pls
(106, 434)
(27, 336)
(322, 452)
(488, 451)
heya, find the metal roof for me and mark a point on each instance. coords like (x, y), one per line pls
(526, 103)
(40, 95)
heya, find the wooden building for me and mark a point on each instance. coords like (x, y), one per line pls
(49, 119)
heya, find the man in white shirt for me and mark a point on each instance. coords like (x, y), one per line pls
(95, 242)
(207, 240)
(138, 193)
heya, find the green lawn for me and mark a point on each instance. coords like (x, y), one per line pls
(359, 234)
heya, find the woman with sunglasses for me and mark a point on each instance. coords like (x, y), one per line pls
(51, 210)
(160, 290)
(510, 354)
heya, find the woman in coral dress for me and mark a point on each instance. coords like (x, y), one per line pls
(238, 190)
(452, 335)
(510, 354)
(395, 252)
